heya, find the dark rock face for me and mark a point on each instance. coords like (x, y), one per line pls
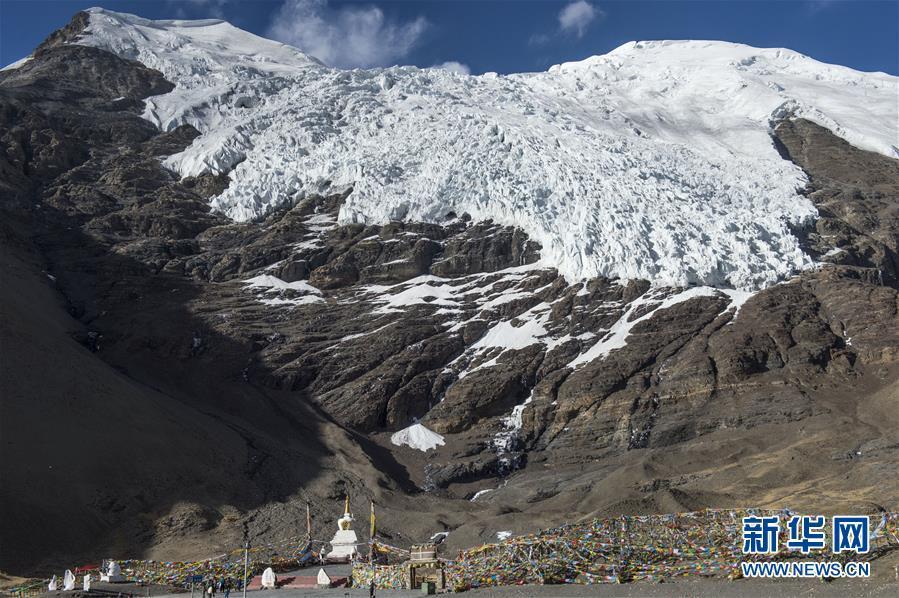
(457, 326)
(855, 193)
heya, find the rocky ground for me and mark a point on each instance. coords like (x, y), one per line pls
(172, 379)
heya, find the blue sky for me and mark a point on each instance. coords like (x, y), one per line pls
(506, 36)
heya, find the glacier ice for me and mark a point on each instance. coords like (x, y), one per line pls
(653, 161)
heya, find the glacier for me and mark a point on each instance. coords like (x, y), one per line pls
(653, 161)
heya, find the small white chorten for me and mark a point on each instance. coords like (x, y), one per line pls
(113, 573)
(269, 579)
(343, 544)
(68, 581)
(323, 580)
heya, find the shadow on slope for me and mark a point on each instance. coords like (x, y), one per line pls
(131, 428)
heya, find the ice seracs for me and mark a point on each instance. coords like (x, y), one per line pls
(653, 161)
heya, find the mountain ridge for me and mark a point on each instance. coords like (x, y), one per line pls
(283, 355)
(652, 151)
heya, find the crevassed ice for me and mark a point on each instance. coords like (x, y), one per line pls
(653, 161)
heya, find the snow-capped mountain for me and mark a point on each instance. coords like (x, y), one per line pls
(654, 161)
(236, 280)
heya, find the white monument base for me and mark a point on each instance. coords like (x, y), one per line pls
(343, 546)
(323, 580)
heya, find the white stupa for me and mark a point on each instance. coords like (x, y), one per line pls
(113, 573)
(269, 579)
(343, 544)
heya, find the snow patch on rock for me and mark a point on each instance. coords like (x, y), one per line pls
(479, 494)
(616, 337)
(295, 293)
(418, 437)
(267, 281)
(16, 64)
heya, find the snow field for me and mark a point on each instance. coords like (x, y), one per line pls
(653, 161)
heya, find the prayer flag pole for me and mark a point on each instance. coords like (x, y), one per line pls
(371, 547)
(246, 561)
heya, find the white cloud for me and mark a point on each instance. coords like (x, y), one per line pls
(345, 37)
(577, 16)
(538, 39)
(456, 67)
